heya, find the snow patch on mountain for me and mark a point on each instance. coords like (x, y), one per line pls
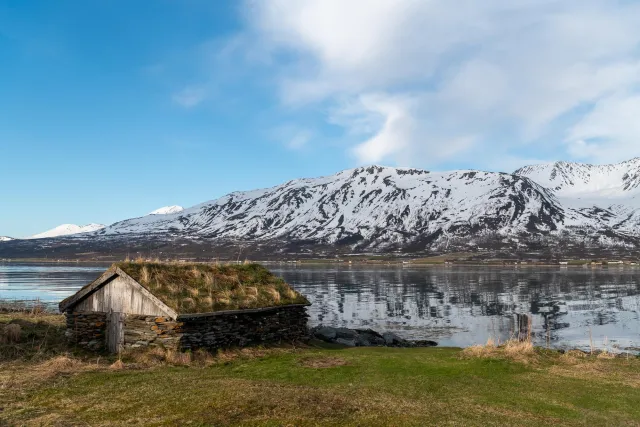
(167, 210)
(66, 230)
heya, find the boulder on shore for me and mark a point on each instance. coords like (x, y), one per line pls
(364, 338)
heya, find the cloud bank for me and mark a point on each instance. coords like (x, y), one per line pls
(429, 81)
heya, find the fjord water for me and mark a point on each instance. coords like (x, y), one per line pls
(49, 282)
(454, 305)
(461, 306)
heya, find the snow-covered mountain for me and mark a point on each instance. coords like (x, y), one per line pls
(580, 180)
(167, 210)
(380, 208)
(602, 196)
(5, 239)
(67, 229)
(371, 206)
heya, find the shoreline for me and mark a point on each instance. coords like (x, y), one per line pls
(298, 262)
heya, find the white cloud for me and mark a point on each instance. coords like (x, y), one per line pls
(430, 80)
(190, 96)
(292, 136)
(613, 126)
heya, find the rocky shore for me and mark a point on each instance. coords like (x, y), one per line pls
(364, 338)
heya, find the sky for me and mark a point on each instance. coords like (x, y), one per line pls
(111, 109)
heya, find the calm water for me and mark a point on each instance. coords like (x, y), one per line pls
(456, 306)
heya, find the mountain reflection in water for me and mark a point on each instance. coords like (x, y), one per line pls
(462, 306)
(454, 305)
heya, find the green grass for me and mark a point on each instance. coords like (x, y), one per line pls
(360, 386)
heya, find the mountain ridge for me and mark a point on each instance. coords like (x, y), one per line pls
(381, 208)
(66, 230)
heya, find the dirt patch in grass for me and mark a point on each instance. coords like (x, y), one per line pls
(321, 362)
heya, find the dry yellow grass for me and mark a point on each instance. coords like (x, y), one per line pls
(117, 365)
(10, 334)
(513, 349)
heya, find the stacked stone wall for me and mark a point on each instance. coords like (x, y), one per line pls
(87, 329)
(145, 331)
(211, 332)
(241, 329)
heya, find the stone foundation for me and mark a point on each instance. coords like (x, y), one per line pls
(145, 331)
(244, 328)
(211, 331)
(87, 329)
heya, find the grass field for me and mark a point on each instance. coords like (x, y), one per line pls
(316, 386)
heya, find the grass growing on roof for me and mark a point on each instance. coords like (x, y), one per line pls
(204, 288)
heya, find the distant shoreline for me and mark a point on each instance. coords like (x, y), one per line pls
(342, 262)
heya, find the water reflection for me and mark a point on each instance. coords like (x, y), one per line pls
(47, 282)
(461, 306)
(456, 306)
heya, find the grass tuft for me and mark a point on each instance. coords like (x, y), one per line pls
(513, 349)
(10, 334)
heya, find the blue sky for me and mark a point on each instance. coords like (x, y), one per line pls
(111, 109)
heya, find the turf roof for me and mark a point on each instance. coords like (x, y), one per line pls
(204, 288)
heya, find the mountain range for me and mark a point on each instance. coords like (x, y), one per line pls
(72, 229)
(382, 209)
(66, 230)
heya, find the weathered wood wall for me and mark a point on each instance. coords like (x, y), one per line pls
(120, 295)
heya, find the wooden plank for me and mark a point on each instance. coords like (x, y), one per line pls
(115, 335)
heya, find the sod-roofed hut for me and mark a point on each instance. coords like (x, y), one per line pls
(184, 306)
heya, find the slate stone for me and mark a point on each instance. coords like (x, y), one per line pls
(364, 338)
(392, 339)
(325, 333)
(370, 332)
(362, 341)
(346, 333)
